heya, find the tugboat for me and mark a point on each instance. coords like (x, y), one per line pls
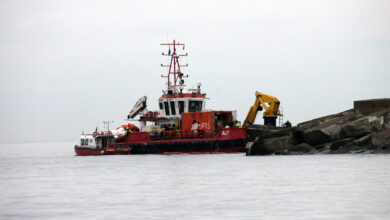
(181, 125)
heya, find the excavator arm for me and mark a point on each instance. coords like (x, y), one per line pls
(270, 105)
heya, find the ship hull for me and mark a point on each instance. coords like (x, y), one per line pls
(82, 151)
(226, 141)
(192, 146)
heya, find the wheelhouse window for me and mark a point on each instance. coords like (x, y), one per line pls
(161, 105)
(195, 106)
(166, 108)
(86, 141)
(82, 142)
(173, 109)
(181, 107)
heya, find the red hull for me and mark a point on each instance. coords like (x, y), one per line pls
(95, 152)
(87, 151)
(231, 140)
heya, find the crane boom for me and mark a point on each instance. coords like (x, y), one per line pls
(138, 107)
(271, 110)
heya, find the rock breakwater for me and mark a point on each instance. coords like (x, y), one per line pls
(363, 129)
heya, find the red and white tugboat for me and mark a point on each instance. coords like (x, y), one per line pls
(181, 125)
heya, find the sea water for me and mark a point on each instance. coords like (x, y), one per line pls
(47, 181)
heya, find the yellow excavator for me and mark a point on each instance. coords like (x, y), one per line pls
(270, 105)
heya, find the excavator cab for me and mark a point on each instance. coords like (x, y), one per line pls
(270, 121)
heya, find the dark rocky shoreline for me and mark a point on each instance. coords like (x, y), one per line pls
(363, 129)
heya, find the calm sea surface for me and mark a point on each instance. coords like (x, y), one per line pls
(46, 181)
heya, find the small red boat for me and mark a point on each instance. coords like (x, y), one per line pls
(181, 125)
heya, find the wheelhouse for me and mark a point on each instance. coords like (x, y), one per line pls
(173, 106)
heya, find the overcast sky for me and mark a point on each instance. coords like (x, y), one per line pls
(65, 66)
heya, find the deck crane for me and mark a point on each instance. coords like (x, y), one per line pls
(138, 107)
(270, 105)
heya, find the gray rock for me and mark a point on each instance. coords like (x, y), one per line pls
(325, 131)
(339, 151)
(366, 107)
(365, 129)
(327, 120)
(337, 144)
(279, 133)
(386, 120)
(359, 144)
(302, 147)
(257, 148)
(261, 130)
(356, 128)
(315, 137)
(279, 144)
(248, 147)
(381, 139)
(363, 126)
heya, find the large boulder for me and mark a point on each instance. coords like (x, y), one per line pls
(357, 128)
(338, 132)
(280, 144)
(300, 148)
(269, 140)
(327, 120)
(315, 136)
(324, 130)
(279, 133)
(336, 145)
(261, 130)
(369, 106)
(386, 120)
(257, 147)
(381, 139)
(363, 126)
(359, 143)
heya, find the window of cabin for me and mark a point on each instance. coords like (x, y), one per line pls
(86, 141)
(82, 142)
(166, 108)
(181, 107)
(161, 105)
(195, 106)
(173, 109)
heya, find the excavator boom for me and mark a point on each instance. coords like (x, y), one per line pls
(270, 105)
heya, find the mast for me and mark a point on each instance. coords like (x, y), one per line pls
(108, 124)
(175, 76)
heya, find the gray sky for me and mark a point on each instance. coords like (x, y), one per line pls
(65, 66)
